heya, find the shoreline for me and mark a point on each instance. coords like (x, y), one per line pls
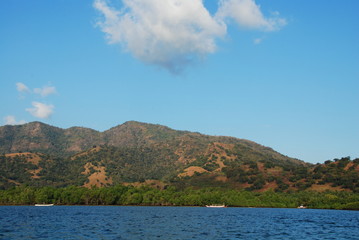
(171, 206)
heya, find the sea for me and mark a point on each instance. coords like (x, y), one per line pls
(132, 222)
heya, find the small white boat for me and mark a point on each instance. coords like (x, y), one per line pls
(216, 206)
(301, 207)
(44, 205)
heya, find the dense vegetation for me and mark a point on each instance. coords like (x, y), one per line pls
(122, 195)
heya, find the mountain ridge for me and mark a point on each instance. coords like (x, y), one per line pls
(111, 136)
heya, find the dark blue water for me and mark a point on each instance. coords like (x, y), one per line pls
(114, 222)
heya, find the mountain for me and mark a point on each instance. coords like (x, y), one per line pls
(40, 137)
(43, 138)
(139, 153)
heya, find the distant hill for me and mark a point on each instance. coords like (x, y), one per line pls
(139, 153)
(40, 137)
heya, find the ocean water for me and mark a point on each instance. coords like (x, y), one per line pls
(120, 222)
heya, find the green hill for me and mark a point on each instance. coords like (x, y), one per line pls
(137, 153)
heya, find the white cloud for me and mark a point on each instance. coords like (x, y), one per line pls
(11, 120)
(168, 33)
(41, 110)
(247, 14)
(45, 91)
(174, 33)
(22, 87)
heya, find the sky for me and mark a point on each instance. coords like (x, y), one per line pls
(284, 74)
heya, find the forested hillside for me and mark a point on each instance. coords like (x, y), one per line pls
(39, 155)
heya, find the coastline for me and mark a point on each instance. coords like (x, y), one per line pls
(172, 206)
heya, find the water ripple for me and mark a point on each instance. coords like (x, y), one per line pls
(111, 222)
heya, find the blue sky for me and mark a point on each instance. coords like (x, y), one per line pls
(281, 73)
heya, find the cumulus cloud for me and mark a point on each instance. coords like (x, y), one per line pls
(45, 91)
(247, 14)
(22, 87)
(168, 33)
(11, 120)
(41, 110)
(174, 33)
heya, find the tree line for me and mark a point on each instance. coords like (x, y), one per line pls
(171, 196)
